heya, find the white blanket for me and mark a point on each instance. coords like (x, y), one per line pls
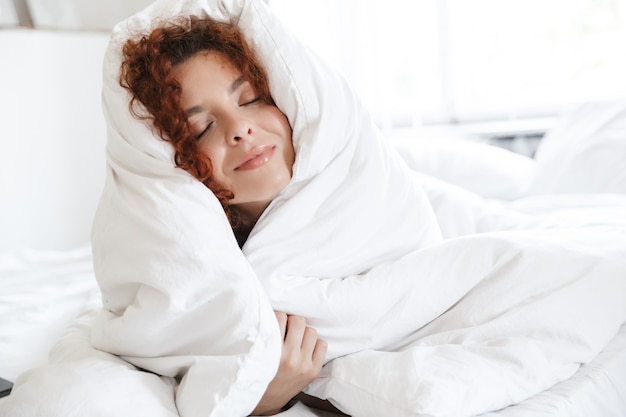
(429, 305)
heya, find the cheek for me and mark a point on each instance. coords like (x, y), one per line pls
(280, 123)
(215, 154)
(287, 127)
(288, 135)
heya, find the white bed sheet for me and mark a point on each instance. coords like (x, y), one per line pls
(42, 292)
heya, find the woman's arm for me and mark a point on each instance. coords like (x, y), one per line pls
(301, 360)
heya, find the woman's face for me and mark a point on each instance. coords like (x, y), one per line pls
(247, 139)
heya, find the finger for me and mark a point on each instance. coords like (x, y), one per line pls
(295, 331)
(319, 353)
(282, 323)
(309, 340)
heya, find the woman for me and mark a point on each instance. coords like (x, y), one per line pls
(218, 113)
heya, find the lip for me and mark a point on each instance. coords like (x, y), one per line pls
(256, 157)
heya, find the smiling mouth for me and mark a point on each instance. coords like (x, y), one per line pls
(256, 158)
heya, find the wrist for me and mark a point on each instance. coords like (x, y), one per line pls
(267, 407)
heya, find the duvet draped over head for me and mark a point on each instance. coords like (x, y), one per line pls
(352, 243)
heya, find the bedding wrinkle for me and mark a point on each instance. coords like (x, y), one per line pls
(528, 312)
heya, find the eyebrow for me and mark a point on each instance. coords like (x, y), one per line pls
(236, 84)
(231, 89)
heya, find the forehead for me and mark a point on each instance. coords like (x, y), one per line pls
(205, 67)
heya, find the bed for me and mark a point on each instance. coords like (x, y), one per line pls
(50, 298)
(44, 292)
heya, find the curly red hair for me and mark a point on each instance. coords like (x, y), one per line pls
(146, 71)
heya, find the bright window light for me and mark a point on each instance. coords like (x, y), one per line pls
(440, 61)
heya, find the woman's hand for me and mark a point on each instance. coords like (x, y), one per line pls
(300, 362)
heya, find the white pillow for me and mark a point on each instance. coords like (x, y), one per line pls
(585, 152)
(484, 169)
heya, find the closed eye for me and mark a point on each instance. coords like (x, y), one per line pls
(204, 132)
(254, 100)
(247, 95)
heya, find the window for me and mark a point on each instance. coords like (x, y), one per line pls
(445, 61)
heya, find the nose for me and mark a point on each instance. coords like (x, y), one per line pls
(240, 130)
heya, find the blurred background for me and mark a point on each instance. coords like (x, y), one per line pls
(481, 67)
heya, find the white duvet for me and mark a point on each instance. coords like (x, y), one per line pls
(434, 301)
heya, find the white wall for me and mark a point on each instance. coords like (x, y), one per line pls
(52, 137)
(82, 14)
(8, 15)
